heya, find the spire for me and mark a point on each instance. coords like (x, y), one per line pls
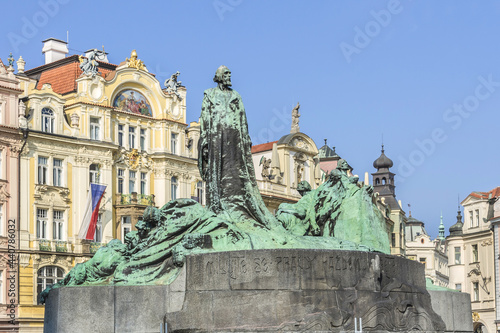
(441, 228)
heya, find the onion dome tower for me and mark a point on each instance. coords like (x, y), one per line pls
(383, 180)
(457, 228)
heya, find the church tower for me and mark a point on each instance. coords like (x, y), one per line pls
(383, 180)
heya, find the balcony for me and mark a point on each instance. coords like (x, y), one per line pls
(44, 245)
(94, 246)
(61, 246)
(135, 199)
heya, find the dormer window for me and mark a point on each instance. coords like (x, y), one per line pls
(47, 120)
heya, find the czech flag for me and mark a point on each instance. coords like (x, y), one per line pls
(89, 223)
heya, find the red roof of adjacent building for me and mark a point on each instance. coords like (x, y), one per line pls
(263, 147)
(62, 74)
(485, 195)
(63, 78)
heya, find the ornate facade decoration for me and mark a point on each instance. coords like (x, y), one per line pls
(134, 62)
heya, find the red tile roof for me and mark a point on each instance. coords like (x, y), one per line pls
(485, 195)
(263, 147)
(63, 78)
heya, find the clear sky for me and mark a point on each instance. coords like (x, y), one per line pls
(425, 75)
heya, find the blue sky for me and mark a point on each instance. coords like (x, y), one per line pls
(424, 74)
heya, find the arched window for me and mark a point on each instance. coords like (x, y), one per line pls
(173, 188)
(377, 181)
(48, 276)
(384, 181)
(47, 120)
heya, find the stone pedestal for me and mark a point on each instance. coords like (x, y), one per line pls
(260, 291)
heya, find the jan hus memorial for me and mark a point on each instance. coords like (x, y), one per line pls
(321, 264)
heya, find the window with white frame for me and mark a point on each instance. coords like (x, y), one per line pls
(143, 139)
(43, 167)
(47, 120)
(458, 255)
(131, 181)
(121, 180)
(173, 188)
(143, 182)
(46, 277)
(477, 217)
(131, 137)
(200, 193)
(475, 290)
(41, 223)
(471, 218)
(58, 225)
(57, 172)
(126, 226)
(98, 229)
(95, 128)
(120, 135)
(173, 143)
(94, 173)
(475, 254)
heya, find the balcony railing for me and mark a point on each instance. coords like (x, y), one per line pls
(135, 199)
(61, 246)
(94, 246)
(44, 245)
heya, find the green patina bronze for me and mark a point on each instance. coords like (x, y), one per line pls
(339, 214)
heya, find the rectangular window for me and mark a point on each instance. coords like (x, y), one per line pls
(98, 229)
(200, 193)
(58, 225)
(458, 286)
(120, 135)
(131, 137)
(173, 143)
(57, 172)
(95, 129)
(126, 226)
(1, 164)
(475, 290)
(477, 217)
(143, 139)
(475, 255)
(121, 178)
(458, 255)
(131, 181)
(143, 182)
(423, 261)
(43, 166)
(471, 219)
(393, 239)
(94, 173)
(41, 223)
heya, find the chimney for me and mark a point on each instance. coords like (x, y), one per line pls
(54, 49)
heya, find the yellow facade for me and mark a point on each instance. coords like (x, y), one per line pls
(118, 128)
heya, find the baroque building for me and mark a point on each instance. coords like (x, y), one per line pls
(432, 254)
(11, 144)
(92, 122)
(471, 253)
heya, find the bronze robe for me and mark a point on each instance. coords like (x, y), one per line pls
(228, 168)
